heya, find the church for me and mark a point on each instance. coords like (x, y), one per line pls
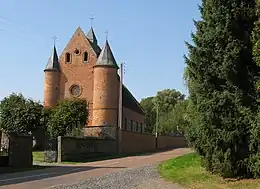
(84, 70)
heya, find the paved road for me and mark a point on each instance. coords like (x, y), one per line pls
(68, 174)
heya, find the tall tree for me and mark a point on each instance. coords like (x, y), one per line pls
(255, 130)
(167, 99)
(18, 114)
(220, 74)
(150, 113)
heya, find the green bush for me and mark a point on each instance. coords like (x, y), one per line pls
(67, 117)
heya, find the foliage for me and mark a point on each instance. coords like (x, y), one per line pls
(255, 130)
(220, 76)
(165, 101)
(150, 113)
(67, 116)
(187, 171)
(18, 114)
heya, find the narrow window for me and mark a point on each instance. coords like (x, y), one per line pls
(67, 57)
(141, 126)
(85, 57)
(131, 125)
(136, 127)
(125, 123)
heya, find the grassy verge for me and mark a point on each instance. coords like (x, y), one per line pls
(187, 171)
(38, 156)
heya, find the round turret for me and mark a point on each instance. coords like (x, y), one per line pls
(106, 89)
(51, 81)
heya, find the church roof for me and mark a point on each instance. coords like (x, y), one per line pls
(129, 100)
(106, 57)
(53, 62)
(91, 36)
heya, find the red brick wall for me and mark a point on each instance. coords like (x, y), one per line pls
(136, 117)
(171, 142)
(51, 88)
(77, 71)
(105, 96)
(133, 142)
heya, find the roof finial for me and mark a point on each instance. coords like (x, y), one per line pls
(91, 19)
(106, 32)
(54, 40)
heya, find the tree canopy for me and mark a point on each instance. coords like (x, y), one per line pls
(66, 116)
(18, 114)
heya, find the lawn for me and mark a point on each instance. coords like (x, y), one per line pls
(187, 172)
(38, 156)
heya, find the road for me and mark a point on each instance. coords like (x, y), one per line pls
(60, 174)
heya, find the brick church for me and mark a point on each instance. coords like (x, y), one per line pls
(84, 70)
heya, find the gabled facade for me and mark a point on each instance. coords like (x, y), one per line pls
(84, 70)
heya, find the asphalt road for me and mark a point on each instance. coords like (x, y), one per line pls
(69, 174)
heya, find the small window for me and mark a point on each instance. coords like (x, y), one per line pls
(131, 125)
(86, 57)
(125, 123)
(136, 127)
(141, 126)
(68, 58)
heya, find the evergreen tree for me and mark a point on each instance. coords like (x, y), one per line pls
(220, 77)
(255, 130)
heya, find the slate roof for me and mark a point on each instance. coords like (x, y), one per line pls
(106, 57)
(129, 100)
(91, 36)
(53, 62)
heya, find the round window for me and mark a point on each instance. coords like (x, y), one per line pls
(75, 90)
(77, 52)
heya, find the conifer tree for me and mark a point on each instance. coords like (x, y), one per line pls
(220, 76)
(255, 130)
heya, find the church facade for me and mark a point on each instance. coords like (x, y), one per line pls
(84, 70)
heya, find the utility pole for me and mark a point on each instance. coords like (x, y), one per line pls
(120, 109)
(156, 125)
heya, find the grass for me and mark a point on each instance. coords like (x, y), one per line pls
(38, 156)
(187, 171)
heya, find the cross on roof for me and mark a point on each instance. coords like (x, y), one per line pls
(54, 39)
(106, 32)
(91, 19)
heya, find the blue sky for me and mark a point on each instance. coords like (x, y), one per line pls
(147, 35)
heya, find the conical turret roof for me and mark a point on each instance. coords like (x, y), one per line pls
(53, 62)
(106, 57)
(91, 36)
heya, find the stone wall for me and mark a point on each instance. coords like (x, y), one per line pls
(101, 131)
(20, 151)
(82, 149)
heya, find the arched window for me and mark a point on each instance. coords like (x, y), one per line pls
(85, 57)
(68, 58)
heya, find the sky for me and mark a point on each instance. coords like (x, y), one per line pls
(146, 35)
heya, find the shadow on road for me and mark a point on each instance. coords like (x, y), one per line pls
(47, 172)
